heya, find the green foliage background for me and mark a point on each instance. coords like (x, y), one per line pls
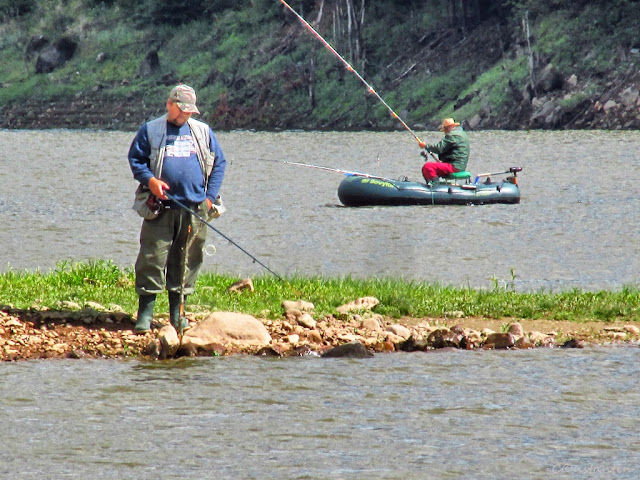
(250, 60)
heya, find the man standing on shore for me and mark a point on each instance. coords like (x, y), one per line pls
(178, 155)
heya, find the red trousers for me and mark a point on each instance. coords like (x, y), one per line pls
(431, 170)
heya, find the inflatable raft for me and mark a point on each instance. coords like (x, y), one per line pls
(360, 191)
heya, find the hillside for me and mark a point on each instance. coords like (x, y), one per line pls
(496, 65)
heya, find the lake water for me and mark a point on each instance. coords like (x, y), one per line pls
(545, 413)
(535, 414)
(66, 195)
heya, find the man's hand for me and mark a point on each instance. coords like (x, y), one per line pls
(158, 187)
(424, 154)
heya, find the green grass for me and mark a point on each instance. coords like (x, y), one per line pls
(104, 283)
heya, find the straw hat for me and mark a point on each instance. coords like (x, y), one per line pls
(448, 122)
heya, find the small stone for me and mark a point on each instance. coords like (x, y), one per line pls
(516, 330)
(269, 351)
(537, 338)
(445, 338)
(348, 350)
(70, 305)
(169, 342)
(240, 285)
(371, 324)
(307, 321)
(413, 344)
(298, 305)
(94, 306)
(399, 330)
(314, 336)
(500, 341)
(77, 354)
(573, 343)
(363, 303)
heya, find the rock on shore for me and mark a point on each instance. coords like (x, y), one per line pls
(97, 332)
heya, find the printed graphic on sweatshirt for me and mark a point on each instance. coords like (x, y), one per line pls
(180, 146)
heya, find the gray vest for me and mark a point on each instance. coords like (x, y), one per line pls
(157, 134)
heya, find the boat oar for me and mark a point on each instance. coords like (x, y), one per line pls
(513, 170)
(353, 70)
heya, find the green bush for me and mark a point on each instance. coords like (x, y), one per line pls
(17, 8)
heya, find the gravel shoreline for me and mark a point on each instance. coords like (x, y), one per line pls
(55, 334)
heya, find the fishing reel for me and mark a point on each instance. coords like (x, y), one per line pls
(155, 205)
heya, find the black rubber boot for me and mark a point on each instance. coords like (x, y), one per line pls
(146, 303)
(179, 322)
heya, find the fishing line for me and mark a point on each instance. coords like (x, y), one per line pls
(353, 70)
(255, 260)
(320, 167)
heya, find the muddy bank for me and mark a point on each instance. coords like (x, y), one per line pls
(568, 105)
(84, 112)
(88, 333)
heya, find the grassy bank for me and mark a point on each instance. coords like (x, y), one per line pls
(106, 284)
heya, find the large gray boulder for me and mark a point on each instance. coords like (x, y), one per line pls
(549, 79)
(227, 328)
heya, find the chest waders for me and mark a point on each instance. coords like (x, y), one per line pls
(200, 132)
(177, 301)
(177, 305)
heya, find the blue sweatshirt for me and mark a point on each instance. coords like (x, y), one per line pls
(181, 169)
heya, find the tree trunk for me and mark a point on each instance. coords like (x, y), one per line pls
(312, 63)
(527, 34)
(355, 22)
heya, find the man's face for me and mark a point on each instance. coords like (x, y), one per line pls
(175, 115)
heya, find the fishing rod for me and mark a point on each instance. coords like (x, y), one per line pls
(351, 69)
(320, 167)
(255, 260)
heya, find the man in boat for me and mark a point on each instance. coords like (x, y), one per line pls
(178, 155)
(452, 150)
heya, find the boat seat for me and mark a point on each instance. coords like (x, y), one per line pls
(456, 177)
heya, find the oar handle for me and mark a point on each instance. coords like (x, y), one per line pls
(494, 173)
(511, 170)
